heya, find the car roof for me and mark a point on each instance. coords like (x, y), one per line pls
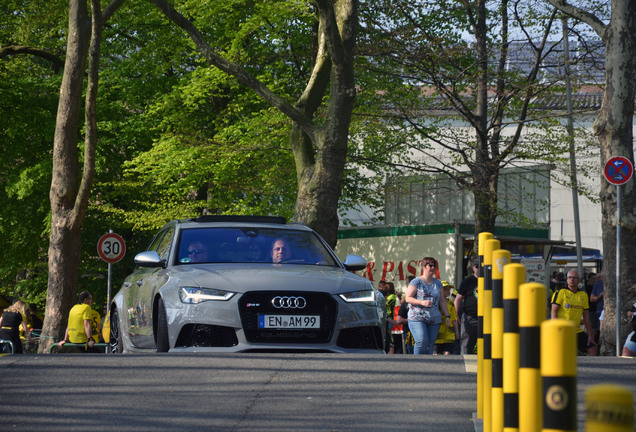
(240, 220)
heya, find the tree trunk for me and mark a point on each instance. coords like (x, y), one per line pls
(614, 130)
(485, 205)
(320, 182)
(484, 178)
(69, 191)
(65, 240)
(320, 164)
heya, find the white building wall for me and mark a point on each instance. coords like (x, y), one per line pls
(561, 218)
(562, 226)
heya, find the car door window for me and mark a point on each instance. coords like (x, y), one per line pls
(156, 240)
(163, 246)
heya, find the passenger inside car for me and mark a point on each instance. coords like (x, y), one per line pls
(196, 252)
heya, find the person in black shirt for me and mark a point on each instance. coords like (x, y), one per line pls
(36, 322)
(403, 319)
(10, 321)
(467, 294)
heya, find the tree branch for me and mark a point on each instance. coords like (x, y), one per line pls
(111, 9)
(329, 26)
(575, 12)
(241, 75)
(56, 62)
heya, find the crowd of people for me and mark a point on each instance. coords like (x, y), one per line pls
(20, 327)
(434, 318)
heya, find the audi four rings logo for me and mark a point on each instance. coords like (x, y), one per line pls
(289, 302)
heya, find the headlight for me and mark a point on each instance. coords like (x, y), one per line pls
(367, 296)
(196, 295)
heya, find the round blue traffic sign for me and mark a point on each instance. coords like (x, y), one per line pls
(618, 170)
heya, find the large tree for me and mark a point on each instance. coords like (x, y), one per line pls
(70, 185)
(320, 129)
(468, 81)
(614, 128)
(32, 53)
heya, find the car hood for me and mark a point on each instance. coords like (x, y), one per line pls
(267, 277)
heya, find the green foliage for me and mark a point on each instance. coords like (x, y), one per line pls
(177, 138)
(28, 101)
(196, 141)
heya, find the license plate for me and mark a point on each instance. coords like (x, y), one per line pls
(289, 321)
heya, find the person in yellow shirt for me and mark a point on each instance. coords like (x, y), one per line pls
(573, 304)
(447, 335)
(96, 324)
(79, 329)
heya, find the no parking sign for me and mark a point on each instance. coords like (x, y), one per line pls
(618, 170)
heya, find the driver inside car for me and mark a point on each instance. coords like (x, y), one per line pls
(280, 251)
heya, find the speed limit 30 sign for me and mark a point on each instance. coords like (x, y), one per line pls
(111, 248)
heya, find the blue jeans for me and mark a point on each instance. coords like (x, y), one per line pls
(424, 335)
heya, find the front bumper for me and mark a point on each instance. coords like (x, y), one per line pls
(233, 326)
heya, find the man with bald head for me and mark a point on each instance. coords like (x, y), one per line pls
(572, 304)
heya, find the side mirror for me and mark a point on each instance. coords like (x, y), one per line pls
(355, 262)
(149, 259)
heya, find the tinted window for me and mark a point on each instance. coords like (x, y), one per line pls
(161, 243)
(250, 245)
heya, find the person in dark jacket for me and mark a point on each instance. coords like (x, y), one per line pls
(10, 321)
(467, 294)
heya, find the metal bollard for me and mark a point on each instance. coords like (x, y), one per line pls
(533, 298)
(483, 237)
(514, 275)
(500, 258)
(609, 408)
(491, 246)
(558, 375)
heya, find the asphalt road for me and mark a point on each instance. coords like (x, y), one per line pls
(253, 392)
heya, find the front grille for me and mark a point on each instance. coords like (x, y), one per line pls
(256, 303)
(361, 337)
(202, 335)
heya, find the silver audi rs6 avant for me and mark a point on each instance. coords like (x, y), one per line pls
(245, 283)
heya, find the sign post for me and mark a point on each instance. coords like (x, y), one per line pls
(111, 248)
(618, 171)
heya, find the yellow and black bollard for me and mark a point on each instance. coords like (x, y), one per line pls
(491, 246)
(533, 298)
(500, 258)
(483, 237)
(609, 408)
(514, 275)
(558, 375)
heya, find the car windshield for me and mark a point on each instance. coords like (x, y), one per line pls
(252, 245)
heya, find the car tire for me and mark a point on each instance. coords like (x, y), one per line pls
(116, 343)
(163, 343)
